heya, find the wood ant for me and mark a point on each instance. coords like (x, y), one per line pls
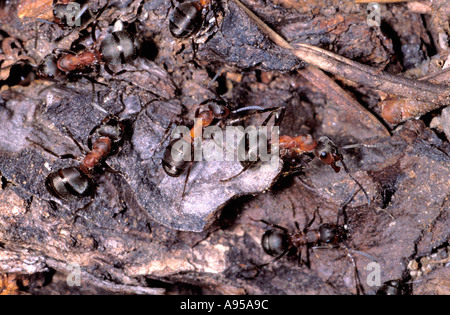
(75, 182)
(176, 161)
(119, 47)
(293, 150)
(277, 242)
(187, 17)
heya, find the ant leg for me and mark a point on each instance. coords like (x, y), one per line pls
(279, 118)
(80, 147)
(248, 166)
(184, 187)
(95, 22)
(357, 183)
(120, 112)
(259, 110)
(36, 26)
(194, 53)
(63, 51)
(272, 225)
(359, 287)
(312, 220)
(63, 156)
(27, 60)
(96, 104)
(344, 205)
(301, 261)
(166, 134)
(186, 179)
(110, 72)
(109, 169)
(58, 86)
(275, 259)
(75, 213)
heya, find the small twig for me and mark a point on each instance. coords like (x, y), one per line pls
(356, 72)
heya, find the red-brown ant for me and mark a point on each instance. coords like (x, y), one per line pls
(75, 182)
(175, 160)
(119, 47)
(292, 151)
(277, 242)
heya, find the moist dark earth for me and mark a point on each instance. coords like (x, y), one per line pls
(140, 236)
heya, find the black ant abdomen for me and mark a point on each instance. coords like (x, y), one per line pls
(275, 242)
(393, 287)
(120, 47)
(69, 183)
(186, 19)
(174, 161)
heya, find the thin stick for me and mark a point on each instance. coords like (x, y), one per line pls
(356, 72)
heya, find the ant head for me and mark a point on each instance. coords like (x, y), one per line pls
(275, 242)
(111, 128)
(328, 153)
(218, 108)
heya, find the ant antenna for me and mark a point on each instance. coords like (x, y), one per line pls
(357, 183)
(216, 76)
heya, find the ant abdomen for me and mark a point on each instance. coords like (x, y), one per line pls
(393, 287)
(120, 47)
(275, 242)
(69, 183)
(174, 161)
(186, 19)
